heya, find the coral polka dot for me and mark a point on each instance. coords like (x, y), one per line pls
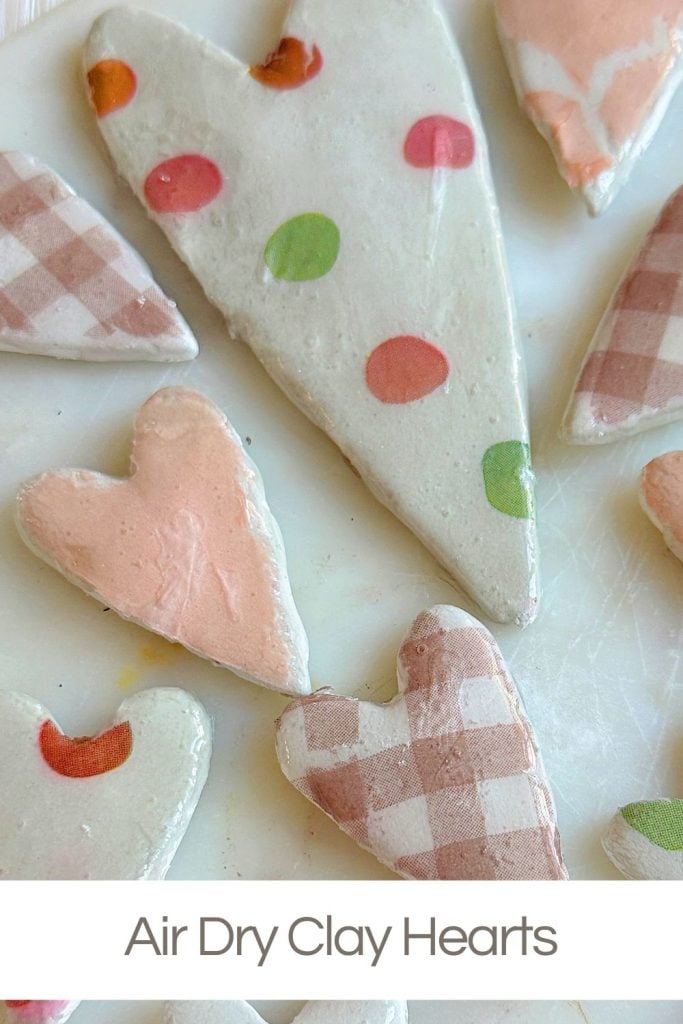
(112, 85)
(439, 141)
(183, 184)
(289, 66)
(405, 368)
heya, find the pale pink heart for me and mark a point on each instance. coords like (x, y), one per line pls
(661, 495)
(444, 781)
(186, 546)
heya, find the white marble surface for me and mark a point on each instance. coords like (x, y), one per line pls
(14, 14)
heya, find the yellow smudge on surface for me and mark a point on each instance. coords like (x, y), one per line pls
(127, 677)
(158, 654)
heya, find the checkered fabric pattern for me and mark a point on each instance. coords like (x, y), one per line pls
(64, 272)
(442, 782)
(632, 377)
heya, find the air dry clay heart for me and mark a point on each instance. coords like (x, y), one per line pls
(114, 806)
(661, 496)
(186, 547)
(645, 840)
(349, 233)
(632, 376)
(70, 286)
(445, 781)
(596, 78)
(235, 1012)
(36, 1011)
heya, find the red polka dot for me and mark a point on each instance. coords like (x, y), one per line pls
(183, 184)
(439, 141)
(404, 369)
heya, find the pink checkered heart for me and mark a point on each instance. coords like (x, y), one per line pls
(70, 286)
(444, 781)
(632, 376)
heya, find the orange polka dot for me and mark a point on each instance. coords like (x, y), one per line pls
(289, 66)
(112, 85)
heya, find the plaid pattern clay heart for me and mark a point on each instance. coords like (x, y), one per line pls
(114, 806)
(70, 286)
(645, 840)
(632, 376)
(445, 780)
(186, 546)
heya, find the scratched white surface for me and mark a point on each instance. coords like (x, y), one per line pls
(600, 670)
(429, 1013)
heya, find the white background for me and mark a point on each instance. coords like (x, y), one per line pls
(617, 941)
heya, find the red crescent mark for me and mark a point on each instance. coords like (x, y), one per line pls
(85, 756)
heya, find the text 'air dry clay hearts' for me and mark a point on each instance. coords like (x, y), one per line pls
(632, 376)
(349, 233)
(661, 496)
(70, 286)
(596, 78)
(113, 806)
(445, 780)
(645, 840)
(186, 546)
(36, 1011)
(236, 1012)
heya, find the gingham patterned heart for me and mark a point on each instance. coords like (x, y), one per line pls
(445, 780)
(70, 286)
(632, 376)
(237, 1012)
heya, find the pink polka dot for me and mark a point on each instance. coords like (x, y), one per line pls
(183, 184)
(439, 141)
(404, 369)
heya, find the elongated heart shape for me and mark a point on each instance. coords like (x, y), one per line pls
(122, 817)
(645, 840)
(596, 78)
(342, 217)
(632, 376)
(70, 286)
(445, 780)
(36, 1011)
(186, 547)
(661, 496)
(375, 1011)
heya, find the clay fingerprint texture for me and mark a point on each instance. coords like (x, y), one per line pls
(645, 840)
(186, 546)
(113, 806)
(445, 781)
(631, 378)
(70, 286)
(375, 1011)
(596, 77)
(661, 497)
(365, 255)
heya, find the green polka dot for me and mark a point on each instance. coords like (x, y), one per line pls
(660, 820)
(303, 248)
(508, 478)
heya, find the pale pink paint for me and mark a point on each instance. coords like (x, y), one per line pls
(662, 492)
(172, 546)
(582, 32)
(579, 34)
